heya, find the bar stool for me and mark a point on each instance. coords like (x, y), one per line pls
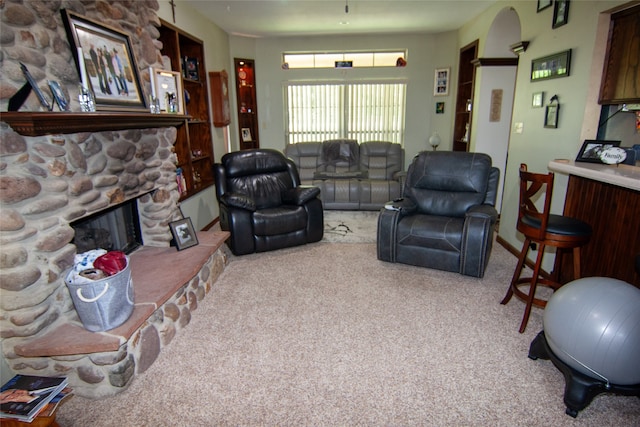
(545, 229)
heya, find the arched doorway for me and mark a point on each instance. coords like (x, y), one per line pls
(495, 87)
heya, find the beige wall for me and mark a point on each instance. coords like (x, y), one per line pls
(579, 111)
(203, 207)
(425, 54)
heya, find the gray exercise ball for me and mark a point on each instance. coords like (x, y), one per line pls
(593, 325)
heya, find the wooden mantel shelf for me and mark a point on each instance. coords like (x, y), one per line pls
(47, 123)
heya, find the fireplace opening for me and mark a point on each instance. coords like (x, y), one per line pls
(114, 229)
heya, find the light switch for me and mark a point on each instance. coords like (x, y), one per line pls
(518, 127)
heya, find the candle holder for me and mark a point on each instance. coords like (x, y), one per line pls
(86, 99)
(154, 104)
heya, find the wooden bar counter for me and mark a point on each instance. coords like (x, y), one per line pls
(608, 198)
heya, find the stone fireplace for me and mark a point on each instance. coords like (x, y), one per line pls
(52, 178)
(49, 181)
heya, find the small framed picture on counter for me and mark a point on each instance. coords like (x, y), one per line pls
(593, 148)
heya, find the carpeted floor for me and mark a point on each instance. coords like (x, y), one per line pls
(326, 335)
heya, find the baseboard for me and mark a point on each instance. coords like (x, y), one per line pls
(211, 224)
(516, 252)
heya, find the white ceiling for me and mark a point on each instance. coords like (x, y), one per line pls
(280, 18)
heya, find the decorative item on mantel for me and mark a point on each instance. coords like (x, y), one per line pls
(18, 99)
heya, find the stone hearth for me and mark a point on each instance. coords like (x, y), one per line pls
(47, 182)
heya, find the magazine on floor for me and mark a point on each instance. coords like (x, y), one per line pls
(23, 396)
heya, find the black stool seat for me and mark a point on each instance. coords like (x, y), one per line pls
(559, 224)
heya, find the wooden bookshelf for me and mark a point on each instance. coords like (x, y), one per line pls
(194, 143)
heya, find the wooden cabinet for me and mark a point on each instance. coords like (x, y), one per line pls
(612, 212)
(621, 78)
(464, 97)
(193, 147)
(247, 104)
(219, 85)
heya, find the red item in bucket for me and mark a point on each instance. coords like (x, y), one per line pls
(111, 263)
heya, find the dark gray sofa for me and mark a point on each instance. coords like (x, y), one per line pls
(351, 176)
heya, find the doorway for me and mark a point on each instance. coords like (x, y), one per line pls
(495, 80)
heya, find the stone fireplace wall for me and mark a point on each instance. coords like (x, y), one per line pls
(49, 181)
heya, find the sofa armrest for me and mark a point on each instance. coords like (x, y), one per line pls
(300, 195)
(404, 206)
(483, 211)
(238, 201)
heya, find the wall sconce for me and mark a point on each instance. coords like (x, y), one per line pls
(519, 48)
(434, 140)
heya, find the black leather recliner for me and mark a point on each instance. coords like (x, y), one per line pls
(263, 204)
(447, 217)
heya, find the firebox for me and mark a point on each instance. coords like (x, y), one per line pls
(114, 229)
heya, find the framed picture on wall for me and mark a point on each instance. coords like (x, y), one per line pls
(441, 82)
(552, 66)
(551, 116)
(543, 4)
(537, 100)
(560, 13)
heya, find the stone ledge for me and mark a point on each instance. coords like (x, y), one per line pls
(157, 273)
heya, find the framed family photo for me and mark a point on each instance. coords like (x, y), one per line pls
(183, 233)
(109, 62)
(592, 149)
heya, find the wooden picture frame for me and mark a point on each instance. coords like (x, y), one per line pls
(552, 66)
(441, 81)
(246, 135)
(166, 82)
(183, 233)
(191, 69)
(58, 95)
(591, 149)
(543, 4)
(560, 13)
(551, 116)
(32, 85)
(109, 61)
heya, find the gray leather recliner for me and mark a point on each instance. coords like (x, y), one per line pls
(447, 217)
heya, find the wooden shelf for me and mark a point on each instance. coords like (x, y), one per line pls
(194, 143)
(51, 123)
(466, 77)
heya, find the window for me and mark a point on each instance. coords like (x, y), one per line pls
(329, 60)
(361, 111)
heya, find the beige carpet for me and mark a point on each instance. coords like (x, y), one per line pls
(326, 335)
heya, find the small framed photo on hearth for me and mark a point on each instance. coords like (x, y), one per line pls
(183, 233)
